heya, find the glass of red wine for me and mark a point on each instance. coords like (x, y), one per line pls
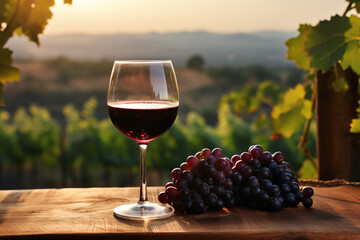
(143, 101)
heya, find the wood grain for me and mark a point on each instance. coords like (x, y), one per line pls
(87, 214)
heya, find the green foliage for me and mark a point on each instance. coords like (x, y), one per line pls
(288, 116)
(22, 17)
(308, 171)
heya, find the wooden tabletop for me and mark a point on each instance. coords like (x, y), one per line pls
(87, 214)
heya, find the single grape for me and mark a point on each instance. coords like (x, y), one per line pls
(210, 200)
(195, 171)
(264, 173)
(308, 192)
(290, 200)
(285, 188)
(255, 152)
(228, 172)
(259, 147)
(274, 191)
(219, 178)
(187, 175)
(278, 157)
(237, 178)
(307, 202)
(168, 184)
(247, 171)
(294, 187)
(275, 205)
(221, 164)
(251, 147)
(184, 166)
(266, 184)
(230, 204)
(253, 181)
(187, 205)
(171, 192)
(240, 165)
(228, 184)
(195, 194)
(286, 165)
(181, 183)
(299, 196)
(206, 153)
(211, 170)
(219, 204)
(203, 189)
(175, 173)
(218, 190)
(162, 197)
(285, 178)
(185, 193)
(209, 180)
(227, 196)
(272, 164)
(198, 206)
(245, 157)
(192, 161)
(177, 203)
(265, 158)
(199, 156)
(255, 163)
(217, 153)
(235, 158)
(211, 160)
(263, 197)
(254, 191)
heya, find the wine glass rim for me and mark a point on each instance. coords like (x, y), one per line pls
(142, 61)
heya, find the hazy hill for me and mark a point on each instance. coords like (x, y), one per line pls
(217, 49)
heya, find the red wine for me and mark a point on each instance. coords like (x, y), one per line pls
(143, 121)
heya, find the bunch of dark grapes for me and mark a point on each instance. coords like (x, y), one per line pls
(254, 179)
(204, 181)
(267, 181)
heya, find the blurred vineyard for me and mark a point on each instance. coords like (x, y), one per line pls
(37, 151)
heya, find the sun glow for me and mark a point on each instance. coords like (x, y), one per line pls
(139, 16)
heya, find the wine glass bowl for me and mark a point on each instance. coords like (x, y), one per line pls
(143, 101)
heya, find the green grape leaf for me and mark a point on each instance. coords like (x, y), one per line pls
(355, 126)
(289, 122)
(326, 43)
(33, 17)
(288, 116)
(351, 56)
(307, 170)
(306, 109)
(8, 73)
(296, 48)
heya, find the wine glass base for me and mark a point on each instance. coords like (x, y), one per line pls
(143, 210)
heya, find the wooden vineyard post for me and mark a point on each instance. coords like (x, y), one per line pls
(338, 150)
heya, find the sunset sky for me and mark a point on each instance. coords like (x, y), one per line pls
(225, 16)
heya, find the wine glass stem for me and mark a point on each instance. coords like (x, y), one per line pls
(143, 190)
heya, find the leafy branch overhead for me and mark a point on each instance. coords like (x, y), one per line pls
(20, 17)
(327, 46)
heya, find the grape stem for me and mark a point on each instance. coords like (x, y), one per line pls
(349, 7)
(304, 137)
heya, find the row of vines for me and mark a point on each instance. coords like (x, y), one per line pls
(37, 151)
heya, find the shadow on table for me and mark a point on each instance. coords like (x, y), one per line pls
(12, 198)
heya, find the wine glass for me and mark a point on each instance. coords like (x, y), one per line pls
(143, 101)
